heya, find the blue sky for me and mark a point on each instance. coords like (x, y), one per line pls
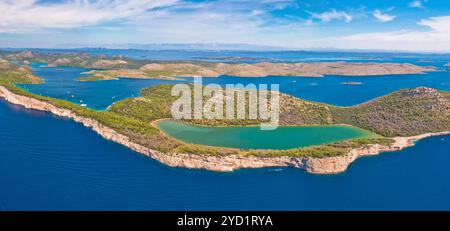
(412, 25)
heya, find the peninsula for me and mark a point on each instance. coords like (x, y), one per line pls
(401, 117)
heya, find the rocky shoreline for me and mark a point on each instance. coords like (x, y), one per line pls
(328, 165)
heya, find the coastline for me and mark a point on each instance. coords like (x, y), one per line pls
(175, 71)
(327, 165)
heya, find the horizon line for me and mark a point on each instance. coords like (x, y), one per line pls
(272, 49)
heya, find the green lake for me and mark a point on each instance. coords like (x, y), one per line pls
(284, 137)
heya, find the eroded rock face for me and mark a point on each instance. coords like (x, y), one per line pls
(226, 163)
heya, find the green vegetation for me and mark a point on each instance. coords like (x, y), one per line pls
(407, 112)
(138, 131)
(322, 151)
(159, 73)
(97, 75)
(138, 128)
(93, 78)
(83, 60)
(110, 67)
(153, 104)
(20, 74)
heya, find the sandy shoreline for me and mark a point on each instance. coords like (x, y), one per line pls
(328, 165)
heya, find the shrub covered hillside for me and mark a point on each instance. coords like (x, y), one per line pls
(406, 112)
(10, 73)
(156, 101)
(132, 120)
(403, 113)
(84, 60)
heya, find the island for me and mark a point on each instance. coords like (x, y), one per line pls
(83, 60)
(399, 118)
(317, 69)
(110, 68)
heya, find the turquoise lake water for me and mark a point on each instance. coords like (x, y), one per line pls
(52, 163)
(255, 138)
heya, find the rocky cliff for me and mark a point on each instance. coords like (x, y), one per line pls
(226, 163)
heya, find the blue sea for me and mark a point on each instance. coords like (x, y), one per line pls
(61, 83)
(53, 163)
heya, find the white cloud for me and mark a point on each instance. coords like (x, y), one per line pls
(390, 8)
(383, 17)
(332, 15)
(278, 4)
(222, 21)
(19, 16)
(434, 39)
(416, 4)
(437, 24)
(257, 12)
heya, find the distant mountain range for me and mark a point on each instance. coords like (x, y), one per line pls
(213, 47)
(181, 46)
(226, 47)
